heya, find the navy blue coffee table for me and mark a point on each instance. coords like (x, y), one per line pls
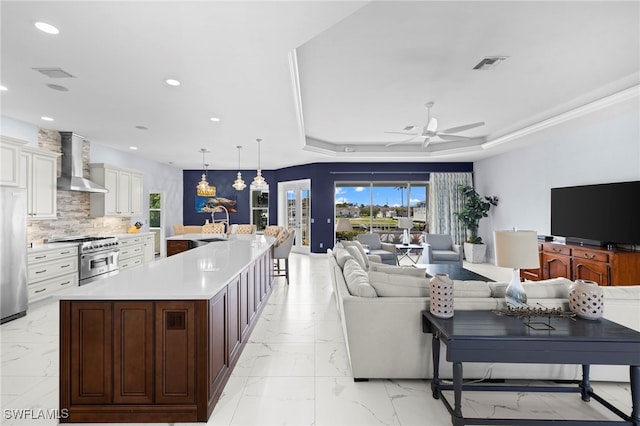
(485, 336)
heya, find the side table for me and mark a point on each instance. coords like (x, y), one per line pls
(404, 251)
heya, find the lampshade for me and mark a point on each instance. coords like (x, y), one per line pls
(239, 184)
(405, 223)
(258, 181)
(516, 249)
(203, 189)
(343, 225)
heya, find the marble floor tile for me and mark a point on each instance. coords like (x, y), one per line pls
(341, 401)
(276, 401)
(276, 359)
(293, 331)
(329, 332)
(332, 360)
(414, 403)
(226, 406)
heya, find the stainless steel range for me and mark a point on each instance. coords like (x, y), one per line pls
(98, 256)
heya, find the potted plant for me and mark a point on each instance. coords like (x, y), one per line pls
(475, 208)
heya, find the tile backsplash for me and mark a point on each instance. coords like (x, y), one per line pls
(73, 207)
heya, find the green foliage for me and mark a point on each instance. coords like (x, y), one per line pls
(475, 208)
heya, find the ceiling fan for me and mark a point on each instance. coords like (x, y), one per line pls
(430, 130)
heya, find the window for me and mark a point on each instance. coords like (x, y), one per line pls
(376, 206)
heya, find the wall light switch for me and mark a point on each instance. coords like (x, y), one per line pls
(321, 245)
(312, 221)
(328, 220)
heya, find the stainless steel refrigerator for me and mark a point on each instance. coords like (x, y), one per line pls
(13, 253)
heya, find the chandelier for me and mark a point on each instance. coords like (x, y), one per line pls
(239, 184)
(258, 181)
(204, 189)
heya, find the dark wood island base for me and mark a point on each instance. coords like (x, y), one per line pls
(130, 361)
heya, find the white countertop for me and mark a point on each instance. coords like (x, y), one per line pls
(199, 273)
(196, 237)
(131, 235)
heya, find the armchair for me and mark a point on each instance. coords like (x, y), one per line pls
(386, 251)
(439, 248)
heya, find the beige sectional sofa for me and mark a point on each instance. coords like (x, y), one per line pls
(381, 314)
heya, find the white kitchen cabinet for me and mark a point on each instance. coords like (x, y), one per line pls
(51, 270)
(149, 248)
(38, 175)
(134, 250)
(10, 161)
(125, 191)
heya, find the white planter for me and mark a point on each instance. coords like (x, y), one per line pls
(474, 253)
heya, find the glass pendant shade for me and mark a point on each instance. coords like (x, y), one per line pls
(258, 181)
(203, 189)
(239, 184)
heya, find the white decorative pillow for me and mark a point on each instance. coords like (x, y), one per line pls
(342, 255)
(394, 285)
(357, 245)
(471, 289)
(554, 288)
(355, 253)
(399, 270)
(357, 280)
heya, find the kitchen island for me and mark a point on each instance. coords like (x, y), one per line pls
(157, 343)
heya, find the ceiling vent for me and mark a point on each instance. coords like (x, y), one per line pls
(57, 87)
(54, 72)
(489, 63)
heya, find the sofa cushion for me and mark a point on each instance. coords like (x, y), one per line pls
(363, 254)
(342, 255)
(358, 257)
(554, 288)
(471, 289)
(439, 242)
(357, 280)
(394, 285)
(401, 270)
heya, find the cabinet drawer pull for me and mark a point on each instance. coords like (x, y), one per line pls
(41, 290)
(65, 283)
(125, 265)
(65, 252)
(40, 272)
(65, 266)
(41, 257)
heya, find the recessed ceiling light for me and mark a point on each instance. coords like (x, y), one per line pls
(133, 148)
(47, 28)
(172, 82)
(47, 118)
(214, 119)
(2, 88)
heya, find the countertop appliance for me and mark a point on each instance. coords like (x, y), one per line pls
(98, 256)
(13, 253)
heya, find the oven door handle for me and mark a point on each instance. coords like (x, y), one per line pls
(91, 256)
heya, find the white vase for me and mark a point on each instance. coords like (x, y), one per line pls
(586, 299)
(441, 291)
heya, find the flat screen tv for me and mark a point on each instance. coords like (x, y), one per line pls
(603, 214)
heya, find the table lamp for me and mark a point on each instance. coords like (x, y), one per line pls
(516, 250)
(405, 223)
(343, 225)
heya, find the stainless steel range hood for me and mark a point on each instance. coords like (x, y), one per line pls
(71, 177)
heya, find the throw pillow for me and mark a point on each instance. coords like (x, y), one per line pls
(342, 255)
(554, 288)
(357, 280)
(393, 285)
(400, 270)
(355, 253)
(363, 254)
(471, 289)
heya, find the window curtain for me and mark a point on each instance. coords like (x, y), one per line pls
(444, 200)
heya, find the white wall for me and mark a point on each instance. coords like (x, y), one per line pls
(600, 147)
(19, 130)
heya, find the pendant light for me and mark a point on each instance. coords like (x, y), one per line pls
(204, 189)
(239, 184)
(258, 181)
